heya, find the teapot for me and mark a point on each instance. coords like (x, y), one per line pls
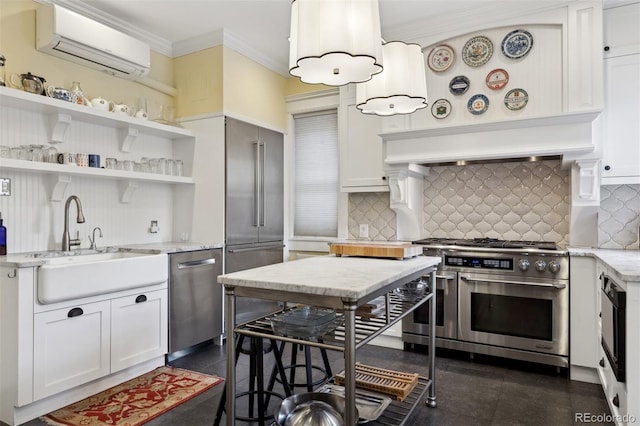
(28, 82)
(100, 103)
(119, 108)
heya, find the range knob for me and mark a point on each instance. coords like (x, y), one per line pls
(523, 264)
(554, 266)
(540, 265)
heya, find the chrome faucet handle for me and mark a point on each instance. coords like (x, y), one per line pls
(75, 241)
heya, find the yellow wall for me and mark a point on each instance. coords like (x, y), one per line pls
(17, 44)
(199, 82)
(252, 90)
(295, 86)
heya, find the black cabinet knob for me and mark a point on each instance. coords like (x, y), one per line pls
(384, 178)
(141, 298)
(606, 48)
(607, 167)
(601, 363)
(616, 401)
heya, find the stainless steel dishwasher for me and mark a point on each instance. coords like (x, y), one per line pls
(195, 298)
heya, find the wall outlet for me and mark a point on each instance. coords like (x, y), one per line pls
(364, 230)
(153, 229)
(6, 186)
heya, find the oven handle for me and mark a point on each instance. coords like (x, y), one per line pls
(485, 280)
(446, 277)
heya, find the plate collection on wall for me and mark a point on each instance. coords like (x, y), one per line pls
(477, 52)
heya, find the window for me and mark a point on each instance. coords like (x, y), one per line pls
(316, 185)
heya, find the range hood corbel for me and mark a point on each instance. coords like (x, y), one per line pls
(406, 187)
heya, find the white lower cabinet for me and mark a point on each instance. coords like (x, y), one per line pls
(615, 391)
(71, 347)
(138, 328)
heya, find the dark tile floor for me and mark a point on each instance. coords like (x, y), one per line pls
(478, 391)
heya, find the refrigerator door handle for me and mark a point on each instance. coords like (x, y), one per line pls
(242, 250)
(256, 186)
(261, 195)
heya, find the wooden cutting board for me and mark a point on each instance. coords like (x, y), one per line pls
(398, 251)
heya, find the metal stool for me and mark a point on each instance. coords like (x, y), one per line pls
(256, 351)
(308, 366)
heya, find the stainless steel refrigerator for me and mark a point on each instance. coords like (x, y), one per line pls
(254, 204)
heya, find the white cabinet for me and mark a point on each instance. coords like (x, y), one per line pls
(138, 328)
(361, 150)
(584, 302)
(71, 347)
(621, 116)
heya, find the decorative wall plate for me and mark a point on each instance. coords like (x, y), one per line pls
(517, 44)
(516, 99)
(477, 51)
(478, 104)
(497, 79)
(441, 109)
(459, 85)
(441, 58)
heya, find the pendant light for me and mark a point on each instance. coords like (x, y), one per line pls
(401, 88)
(335, 42)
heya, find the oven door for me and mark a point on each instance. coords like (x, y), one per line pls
(503, 311)
(446, 309)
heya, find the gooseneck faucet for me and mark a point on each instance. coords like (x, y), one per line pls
(93, 240)
(67, 242)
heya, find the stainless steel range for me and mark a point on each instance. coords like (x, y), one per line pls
(497, 297)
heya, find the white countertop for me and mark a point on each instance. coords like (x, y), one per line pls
(31, 259)
(344, 277)
(626, 263)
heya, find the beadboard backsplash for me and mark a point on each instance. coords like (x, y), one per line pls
(514, 201)
(619, 217)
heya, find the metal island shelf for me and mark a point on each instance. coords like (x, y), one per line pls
(342, 283)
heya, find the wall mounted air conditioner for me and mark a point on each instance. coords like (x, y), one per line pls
(69, 35)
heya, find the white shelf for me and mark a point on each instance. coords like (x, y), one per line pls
(14, 98)
(65, 172)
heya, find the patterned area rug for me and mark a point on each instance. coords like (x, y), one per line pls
(136, 401)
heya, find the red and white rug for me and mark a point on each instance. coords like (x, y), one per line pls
(136, 401)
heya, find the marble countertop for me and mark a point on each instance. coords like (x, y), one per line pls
(37, 258)
(626, 263)
(345, 277)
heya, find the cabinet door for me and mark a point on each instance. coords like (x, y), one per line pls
(361, 156)
(139, 328)
(621, 35)
(71, 347)
(621, 154)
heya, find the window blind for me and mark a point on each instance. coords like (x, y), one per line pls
(316, 175)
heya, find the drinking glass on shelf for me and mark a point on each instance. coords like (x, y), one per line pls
(177, 170)
(127, 165)
(169, 167)
(153, 165)
(5, 151)
(51, 154)
(37, 153)
(111, 163)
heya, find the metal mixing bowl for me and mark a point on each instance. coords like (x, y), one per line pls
(311, 409)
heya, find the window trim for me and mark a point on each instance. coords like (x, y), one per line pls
(296, 105)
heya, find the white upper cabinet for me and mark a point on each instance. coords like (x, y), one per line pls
(361, 150)
(621, 116)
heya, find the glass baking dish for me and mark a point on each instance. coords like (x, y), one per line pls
(305, 321)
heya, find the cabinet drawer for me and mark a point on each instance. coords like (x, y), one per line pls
(139, 328)
(71, 347)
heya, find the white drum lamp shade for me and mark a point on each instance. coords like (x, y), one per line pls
(401, 88)
(335, 42)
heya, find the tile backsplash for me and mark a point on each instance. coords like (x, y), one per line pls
(514, 201)
(619, 217)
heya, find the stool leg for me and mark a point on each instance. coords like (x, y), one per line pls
(327, 365)
(260, 369)
(292, 374)
(278, 368)
(252, 374)
(309, 367)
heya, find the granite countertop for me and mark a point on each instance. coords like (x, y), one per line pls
(626, 263)
(345, 277)
(37, 258)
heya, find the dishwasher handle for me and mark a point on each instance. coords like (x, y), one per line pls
(196, 263)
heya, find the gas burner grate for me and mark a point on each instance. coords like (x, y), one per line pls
(488, 243)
